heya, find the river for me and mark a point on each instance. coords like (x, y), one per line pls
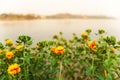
(44, 29)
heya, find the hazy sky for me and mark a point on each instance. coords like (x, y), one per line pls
(92, 7)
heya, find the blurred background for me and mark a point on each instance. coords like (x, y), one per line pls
(40, 19)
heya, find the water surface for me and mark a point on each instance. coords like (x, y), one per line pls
(44, 29)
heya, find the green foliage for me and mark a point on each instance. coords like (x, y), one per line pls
(1, 46)
(79, 58)
(101, 31)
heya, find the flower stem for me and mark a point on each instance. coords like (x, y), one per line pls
(92, 67)
(60, 75)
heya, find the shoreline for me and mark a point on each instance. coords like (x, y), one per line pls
(56, 19)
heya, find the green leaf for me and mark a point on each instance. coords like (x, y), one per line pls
(54, 62)
(109, 77)
(58, 79)
(27, 58)
(67, 62)
(89, 71)
(99, 77)
(24, 38)
(101, 31)
(1, 46)
(3, 77)
(29, 43)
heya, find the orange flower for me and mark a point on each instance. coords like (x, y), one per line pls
(53, 49)
(105, 72)
(59, 50)
(38, 46)
(93, 44)
(9, 41)
(113, 50)
(14, 69)
(13, 47)
(9, 55)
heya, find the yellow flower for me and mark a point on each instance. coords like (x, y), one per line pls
(9, 41)
(59, 50)
(55, 36)
(9, 55)
(14, 69)
(19, 47)
(104, 37)
(92, 44)
(1, 51)
(84, 34)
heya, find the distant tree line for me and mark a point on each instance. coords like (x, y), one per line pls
(11, 16)
(5, 16)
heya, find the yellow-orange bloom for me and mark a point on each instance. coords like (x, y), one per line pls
(9, 55)
(53, 49)
(38, 46)
(55, 36)
(104, 37)
(19, 47)
(113, 50)
(59, 50)
(85, 40)
(13, 47)
(9, 41)
(5, 50)
(84, 34)
(93, 44)
(14, 69)
(1, 51)
(105, 72)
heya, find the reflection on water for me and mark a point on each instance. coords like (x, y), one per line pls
(44, 29)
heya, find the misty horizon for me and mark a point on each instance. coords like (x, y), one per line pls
(60, 13)
(45, 7)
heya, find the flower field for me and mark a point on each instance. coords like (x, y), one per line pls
(80, 58)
